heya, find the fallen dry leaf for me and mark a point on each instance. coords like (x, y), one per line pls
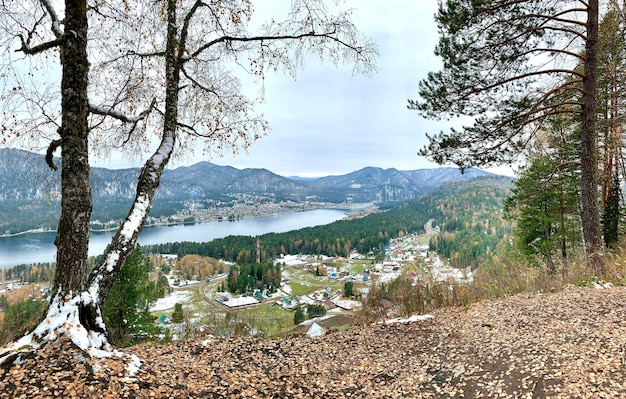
(562, 345)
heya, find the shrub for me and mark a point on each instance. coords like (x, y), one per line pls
(313, 310)
(502, 275)
(178, 315)
(298, 316)
(20, 318)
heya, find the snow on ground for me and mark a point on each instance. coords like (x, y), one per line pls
(315, 320)
(175, 282)
(411, 319)
(290, 260)
(388, 277)
(171, 299)
(306, 299)
(602, 285)
(286, 288)
(348, 304)
(241, 301)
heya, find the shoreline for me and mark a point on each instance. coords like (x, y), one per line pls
(42, 230)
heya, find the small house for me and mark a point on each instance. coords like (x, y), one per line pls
(328, 304)
(315, 331)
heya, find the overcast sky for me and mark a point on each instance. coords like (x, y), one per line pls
(328, 122)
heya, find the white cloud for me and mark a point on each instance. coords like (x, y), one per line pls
(330, 122)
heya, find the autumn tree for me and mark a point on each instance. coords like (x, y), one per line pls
(144, 77)
(509, 66)
(192, 267)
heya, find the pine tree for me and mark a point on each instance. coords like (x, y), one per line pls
(126, 311)
(348, 287)
(611, 214)
(298, 316)
(545, 198)
(178, 315)
(511, 66)
(611, 94)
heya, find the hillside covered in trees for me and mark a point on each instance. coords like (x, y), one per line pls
(30, 191)
(469, 215)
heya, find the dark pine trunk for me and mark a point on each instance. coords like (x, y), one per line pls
(588, 156)
(72, 239)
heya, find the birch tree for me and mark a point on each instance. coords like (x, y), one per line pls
(510, 66)
(163, 76)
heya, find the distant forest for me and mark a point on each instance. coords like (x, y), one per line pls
(469, 215)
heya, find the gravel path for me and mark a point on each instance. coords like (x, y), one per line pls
(563, 345)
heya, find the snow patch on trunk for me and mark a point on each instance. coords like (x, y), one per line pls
(112, 258)
(134, 220)
(164, 151)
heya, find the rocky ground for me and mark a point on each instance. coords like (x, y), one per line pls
(563, 345)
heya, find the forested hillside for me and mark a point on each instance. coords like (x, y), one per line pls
(30, 191)
(471, 219)
(469, 215)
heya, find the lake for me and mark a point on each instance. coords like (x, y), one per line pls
(39, 247)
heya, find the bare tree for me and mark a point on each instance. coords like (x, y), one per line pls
(161, 72)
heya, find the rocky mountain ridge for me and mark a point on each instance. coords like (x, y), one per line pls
(30, 190)
(24, 176)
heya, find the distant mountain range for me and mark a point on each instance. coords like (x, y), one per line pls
(26, 183)
(25, 176)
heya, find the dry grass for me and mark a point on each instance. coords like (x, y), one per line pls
(569, 344)
(501, 276)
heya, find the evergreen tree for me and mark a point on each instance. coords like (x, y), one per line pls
(298, 316)
(544, 200)
(248, 277)
(611, 214)
(126, 311)
(313, 310)
(178, 315)
(545, 194)
(611, 95)
(4, 304)
(499, 60)
(348, 287)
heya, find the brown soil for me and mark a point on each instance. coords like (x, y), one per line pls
(563, 345)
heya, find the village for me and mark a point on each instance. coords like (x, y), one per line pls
(339, 285)
(332, 287)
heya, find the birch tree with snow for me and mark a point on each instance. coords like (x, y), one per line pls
(143, 77)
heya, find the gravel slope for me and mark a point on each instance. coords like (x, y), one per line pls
(562, 345)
